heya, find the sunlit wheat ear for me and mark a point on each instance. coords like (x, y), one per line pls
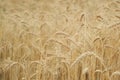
(109, 46)
(97, 38)
(61, 33)
(57, 41)
(83, 55)
(114, 74)
(38, 40)
(98, 71)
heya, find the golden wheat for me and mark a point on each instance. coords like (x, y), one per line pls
(59, 40)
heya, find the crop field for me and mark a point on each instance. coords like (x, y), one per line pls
(59, 39)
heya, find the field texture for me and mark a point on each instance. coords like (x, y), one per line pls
(59, 39)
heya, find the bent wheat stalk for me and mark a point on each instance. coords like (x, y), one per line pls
(83, 55)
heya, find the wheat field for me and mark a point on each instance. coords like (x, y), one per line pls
(59, 39)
